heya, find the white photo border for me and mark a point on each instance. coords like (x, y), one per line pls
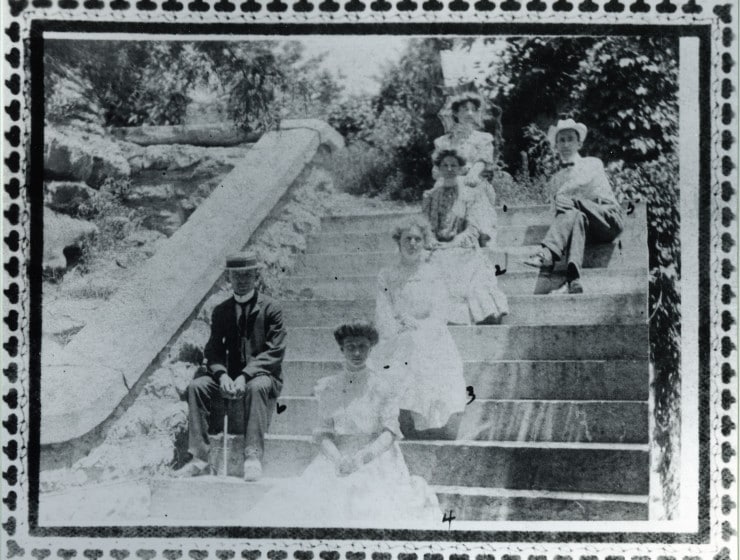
(718, 282)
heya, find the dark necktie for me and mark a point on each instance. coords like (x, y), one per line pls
(566, 164)
(243, 319)
(243, 338)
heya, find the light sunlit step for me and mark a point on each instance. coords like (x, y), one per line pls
(347, 242)
(580, 309)
(512, 420)
(520, 216)
(505, 342)
(567, 467)
(603, 255)
(496, 504)
(327, 285)
(515, 379)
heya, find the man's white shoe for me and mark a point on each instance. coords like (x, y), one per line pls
(195, 467)
(252, 469)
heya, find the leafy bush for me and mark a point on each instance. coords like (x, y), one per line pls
(130, 83)
(639, 126)
(397, 127)
(656, 184)
(543, 78)
(114, 220)
(353, 118)
(362, 169)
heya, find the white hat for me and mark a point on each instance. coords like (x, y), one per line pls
(567, 124)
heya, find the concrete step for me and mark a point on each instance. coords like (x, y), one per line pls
(204, 497)
(328, 285)
(386, 221)
(581, 309)
(494, 504)
(520, 216)
(546, 380)
(228, 500)
(369, 241)
(512, 420)
(566, 467)
(505, 342)
(603, 255)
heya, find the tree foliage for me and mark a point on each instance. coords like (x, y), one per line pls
(130, 83)
(399, 124)
(622, 88)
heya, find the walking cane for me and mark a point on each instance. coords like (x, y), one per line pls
(226, 425)
(226, 439)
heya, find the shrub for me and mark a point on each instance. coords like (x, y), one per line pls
(361, 169)
(115, 222)
(656, 184)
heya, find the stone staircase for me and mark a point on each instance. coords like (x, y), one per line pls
(559, 429)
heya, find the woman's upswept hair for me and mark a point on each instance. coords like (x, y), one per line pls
(356, 328)
(442, 154)
(466, 97)
(414, 221)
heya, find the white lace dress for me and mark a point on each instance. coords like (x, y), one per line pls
(426, 358)
(380, 494)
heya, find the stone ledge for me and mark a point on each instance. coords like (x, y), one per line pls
(102, 364)
(327, 135)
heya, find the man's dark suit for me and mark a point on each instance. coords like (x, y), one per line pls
(263, 369)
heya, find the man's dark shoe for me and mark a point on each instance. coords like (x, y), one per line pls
(575, 286)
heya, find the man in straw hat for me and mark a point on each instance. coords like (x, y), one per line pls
(585, 205)
(244, 356)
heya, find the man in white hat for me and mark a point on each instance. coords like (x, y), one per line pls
(585, 206)
(244, 356)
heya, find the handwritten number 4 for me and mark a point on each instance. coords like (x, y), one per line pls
(447, 518)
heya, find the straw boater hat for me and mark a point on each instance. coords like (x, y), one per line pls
(567, 124)
(243, 261)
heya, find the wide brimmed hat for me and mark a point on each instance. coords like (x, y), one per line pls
(567, 124)
(465, 97)
(243, 261)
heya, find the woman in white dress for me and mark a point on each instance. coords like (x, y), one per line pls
(411, 316)
(359, 478)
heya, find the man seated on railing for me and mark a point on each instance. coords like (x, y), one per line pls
(585, 206)
(244, 357)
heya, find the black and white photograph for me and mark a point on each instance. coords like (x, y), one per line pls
(417, 280)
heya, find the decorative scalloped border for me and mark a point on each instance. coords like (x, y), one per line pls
(723, 413)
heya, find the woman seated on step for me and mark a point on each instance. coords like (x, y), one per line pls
(416, 345)
(460, 219)
(359, 478)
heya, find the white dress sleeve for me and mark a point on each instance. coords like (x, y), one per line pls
(482, 148)
(325, 425)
